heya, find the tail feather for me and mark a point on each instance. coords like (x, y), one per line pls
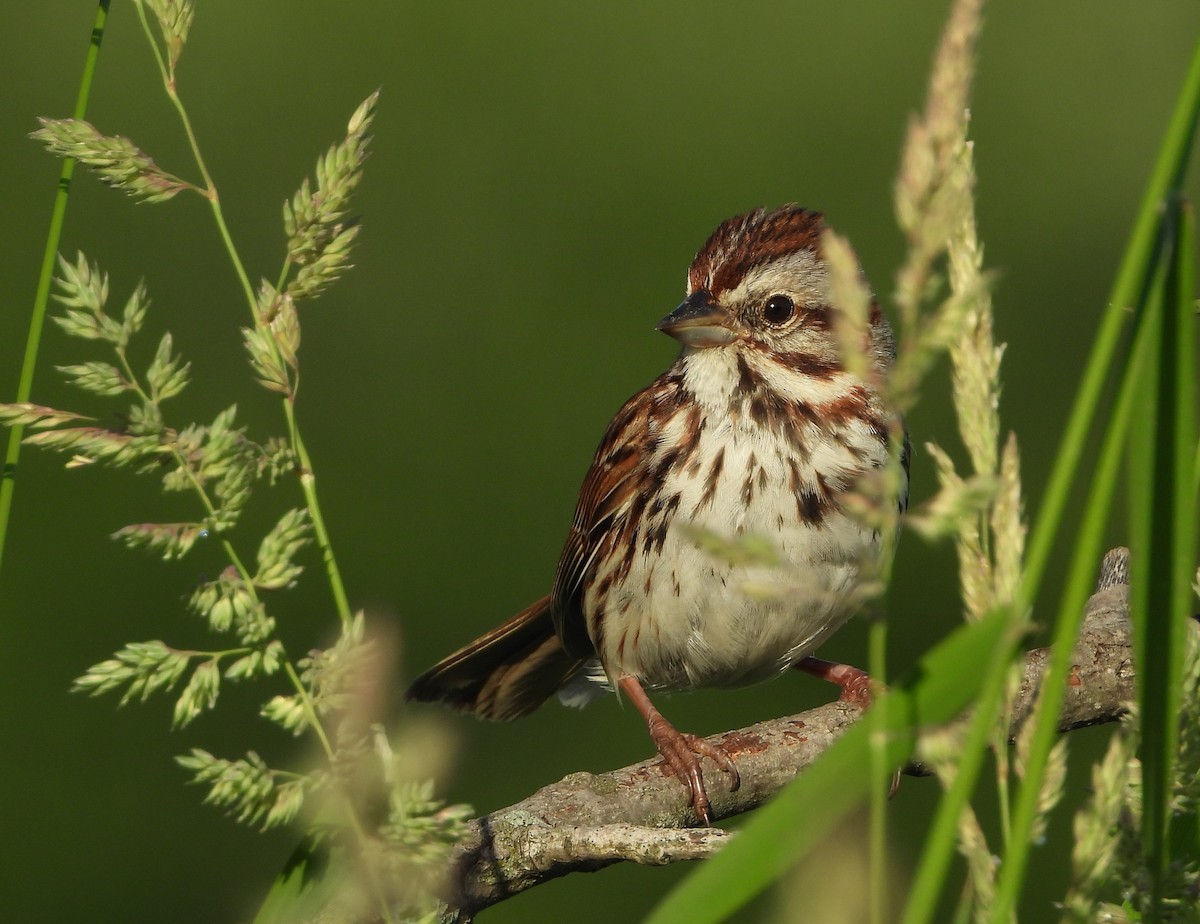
(504, 674)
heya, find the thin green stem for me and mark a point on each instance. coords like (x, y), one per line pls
(283, 274)
(37, 319)
(307, 475)
(216, 656)
(1196, 473)
(877, 716)
(360, 832)
(198, 487)
(210, 188)
(1162, 557)
(1003, 789)
(310, 709)
(877, 669)
(308, 484)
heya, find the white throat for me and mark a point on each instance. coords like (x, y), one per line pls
(711, 375)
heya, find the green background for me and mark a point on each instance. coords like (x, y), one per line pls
(541, 175)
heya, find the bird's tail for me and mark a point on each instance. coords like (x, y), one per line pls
(504, 674)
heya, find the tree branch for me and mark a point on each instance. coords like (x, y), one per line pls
(641, 813)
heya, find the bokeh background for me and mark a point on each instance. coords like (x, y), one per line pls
(541, 175)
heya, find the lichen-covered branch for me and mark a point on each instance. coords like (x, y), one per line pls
(641, 814)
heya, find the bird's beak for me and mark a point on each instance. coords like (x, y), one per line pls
(698, 323)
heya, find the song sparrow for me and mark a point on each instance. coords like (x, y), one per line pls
(756, 429)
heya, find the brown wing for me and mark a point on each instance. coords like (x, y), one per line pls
(504, 674)
(511, 670)
(614, 494)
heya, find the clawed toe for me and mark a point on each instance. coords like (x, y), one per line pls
(677, 753)
(682, 752)
(717, 755)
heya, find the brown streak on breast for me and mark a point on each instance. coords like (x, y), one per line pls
(795, 479)
(597, 628)
(811, 507)
(749, 381)
(748, 485)
(710, 484)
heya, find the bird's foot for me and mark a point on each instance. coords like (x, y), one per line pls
(681, 751)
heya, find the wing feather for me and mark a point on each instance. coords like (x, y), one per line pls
(619, 474)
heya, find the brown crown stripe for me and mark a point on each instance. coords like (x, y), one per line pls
(742, 243)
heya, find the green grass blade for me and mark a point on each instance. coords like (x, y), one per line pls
(1162, 557)
(305, 884)
(1144, 455)
(1080, 579)
(1132, 277)
(37, 319)
(1130, 282)
(942, 841)
(943, 683)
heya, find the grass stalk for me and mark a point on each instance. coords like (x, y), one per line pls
(877, 719)
(37, 318)
(307, 475)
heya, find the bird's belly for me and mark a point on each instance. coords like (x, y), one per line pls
(686, 616)
(705, 622)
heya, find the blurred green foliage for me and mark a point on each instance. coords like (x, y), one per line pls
(541, 175)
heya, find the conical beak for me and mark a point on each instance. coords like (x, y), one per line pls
(698, 323)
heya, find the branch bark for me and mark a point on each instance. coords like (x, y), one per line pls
(641, 814)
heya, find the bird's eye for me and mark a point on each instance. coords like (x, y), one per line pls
(778, 310)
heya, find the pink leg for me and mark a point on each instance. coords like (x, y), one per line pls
(856, 688)
(680, 750)
(855, 684)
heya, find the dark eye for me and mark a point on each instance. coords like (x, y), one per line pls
(778, 310)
